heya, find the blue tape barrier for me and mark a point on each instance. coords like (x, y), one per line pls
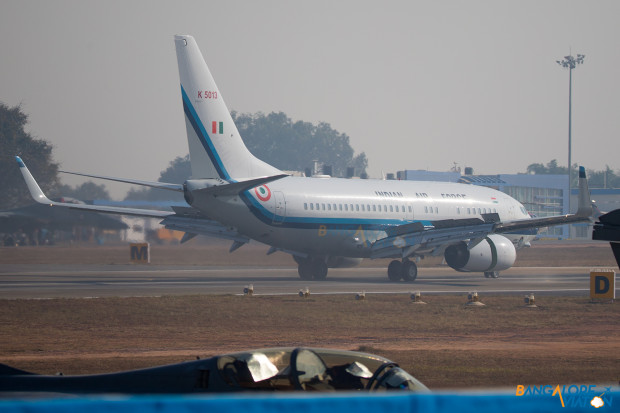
(303, 403)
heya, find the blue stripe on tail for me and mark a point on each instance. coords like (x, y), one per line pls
(203, 136)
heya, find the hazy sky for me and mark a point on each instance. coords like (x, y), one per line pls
(415, 84)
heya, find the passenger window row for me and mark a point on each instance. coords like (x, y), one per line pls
(475, 211)
(320, 206)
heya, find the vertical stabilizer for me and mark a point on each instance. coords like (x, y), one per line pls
(215, 146)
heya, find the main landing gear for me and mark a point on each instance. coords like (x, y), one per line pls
(491, 274)
(405, 270)
(311, 268)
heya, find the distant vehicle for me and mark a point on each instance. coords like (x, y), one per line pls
(274, 369)
(328, 222)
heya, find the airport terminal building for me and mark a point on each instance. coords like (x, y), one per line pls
(542, 195)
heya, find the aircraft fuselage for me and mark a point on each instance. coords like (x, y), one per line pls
(343, 217)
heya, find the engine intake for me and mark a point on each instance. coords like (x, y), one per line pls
(494, 253)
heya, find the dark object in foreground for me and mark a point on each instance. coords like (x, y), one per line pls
(607, 228)
(277, 369)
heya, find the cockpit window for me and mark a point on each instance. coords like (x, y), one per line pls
(393, 377)
(319, 370)
(357, 369)
(308, 371)
(252, 370)
(261, 368)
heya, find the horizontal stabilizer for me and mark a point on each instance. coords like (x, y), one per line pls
(236, 188)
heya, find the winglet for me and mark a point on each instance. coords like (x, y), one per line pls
(40, 197)
(584, 208)
(33, 186)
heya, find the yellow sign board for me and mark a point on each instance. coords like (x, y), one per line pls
(603, 284)
(140, 253)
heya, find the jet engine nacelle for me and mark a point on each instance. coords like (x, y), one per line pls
(187, 194)
(494, 253)
(192, 185)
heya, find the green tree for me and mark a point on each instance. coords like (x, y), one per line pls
(603, 179)
(177, 172)
(37, 153)
(596, 179)
(288, 145)
(551, 168)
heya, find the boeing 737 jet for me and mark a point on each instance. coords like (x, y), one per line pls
(327, 222)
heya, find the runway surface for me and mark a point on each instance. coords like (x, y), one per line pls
(73, 281)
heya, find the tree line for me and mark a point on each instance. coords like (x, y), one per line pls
(607, 178)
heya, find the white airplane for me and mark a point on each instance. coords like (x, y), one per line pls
(327, 222)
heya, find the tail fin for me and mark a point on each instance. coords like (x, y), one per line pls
(215, 146)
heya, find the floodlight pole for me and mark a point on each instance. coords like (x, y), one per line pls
(570, 62)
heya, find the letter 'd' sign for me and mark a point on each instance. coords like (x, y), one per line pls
(603, 284)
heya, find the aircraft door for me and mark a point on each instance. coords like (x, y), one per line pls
(280, 207)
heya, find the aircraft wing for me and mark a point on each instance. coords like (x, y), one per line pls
(404, 240)
(158, 185)
(189, 220)
(40, 197)
(584, 212)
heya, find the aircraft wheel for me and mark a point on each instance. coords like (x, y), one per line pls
(320, 271)
(305, 269)
(395, 270)
(409, 271)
